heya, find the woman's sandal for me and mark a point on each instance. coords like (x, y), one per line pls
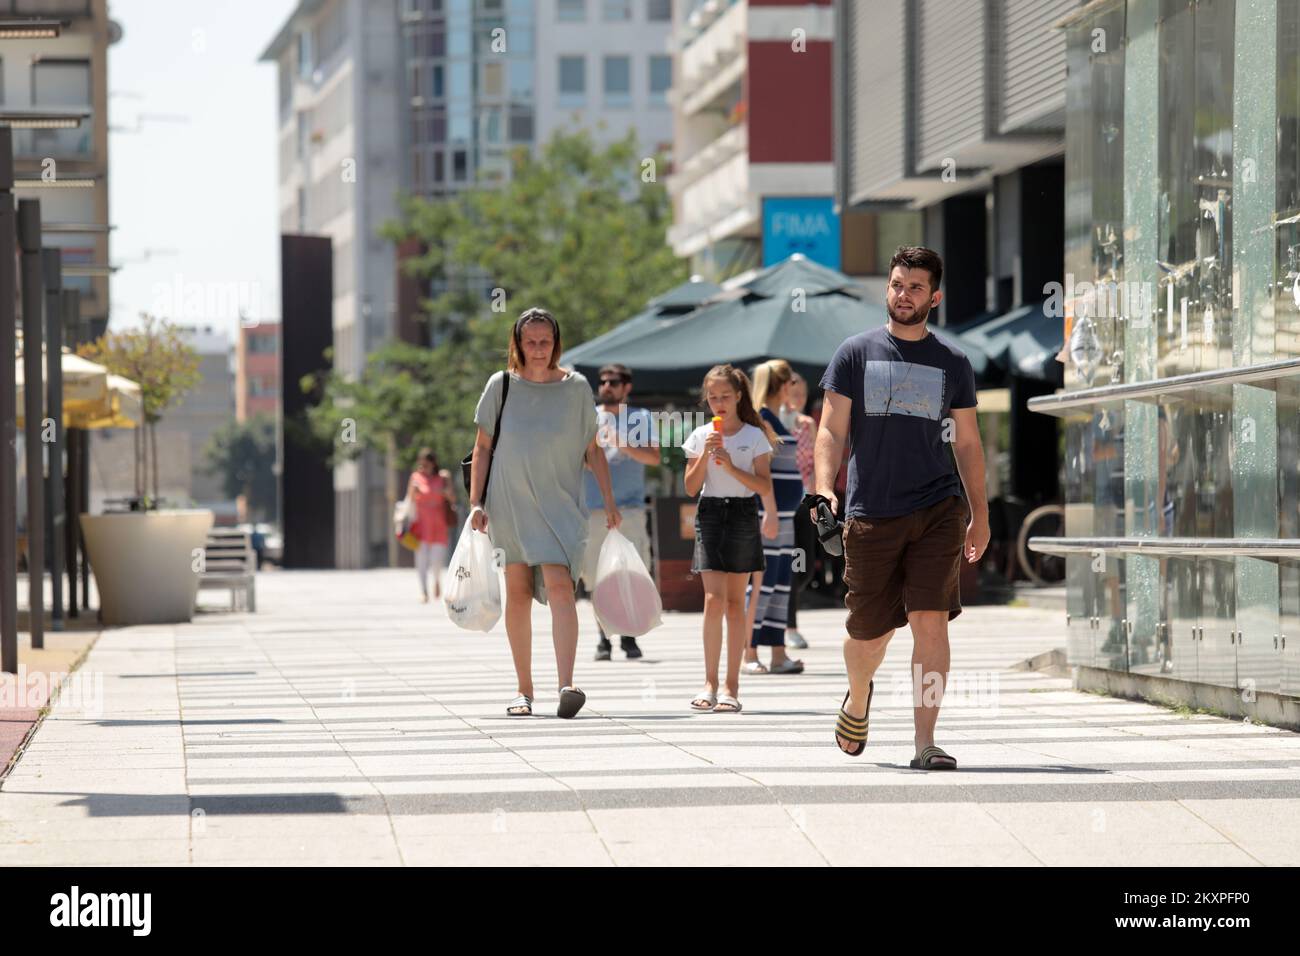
(727, 705)
(571, 701)
(753, 667)
(521, 706)
(932, 758)
(854, 728)
(705, 701)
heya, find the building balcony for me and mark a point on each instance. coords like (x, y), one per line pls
(719, 46)
(78, 143)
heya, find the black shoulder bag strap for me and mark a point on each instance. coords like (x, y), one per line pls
(468, 460)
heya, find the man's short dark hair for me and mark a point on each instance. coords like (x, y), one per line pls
(621, 371)
(919, 257)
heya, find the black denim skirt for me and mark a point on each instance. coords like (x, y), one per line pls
(727, 536)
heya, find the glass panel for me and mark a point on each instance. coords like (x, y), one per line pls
(1178, 212)
(1213, 157)
(1184, 616)
(1287, 314)
(1288, 468)
(1216, 659)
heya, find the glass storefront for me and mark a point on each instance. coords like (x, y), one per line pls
(1183, 245)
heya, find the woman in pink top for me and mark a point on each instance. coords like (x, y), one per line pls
(427, 492)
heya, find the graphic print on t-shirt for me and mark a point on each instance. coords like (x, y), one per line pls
(902, 388)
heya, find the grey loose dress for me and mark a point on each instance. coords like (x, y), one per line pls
(534, 499)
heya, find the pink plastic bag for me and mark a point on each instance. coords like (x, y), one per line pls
(625, 598)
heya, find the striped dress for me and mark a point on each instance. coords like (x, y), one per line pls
(787, 486)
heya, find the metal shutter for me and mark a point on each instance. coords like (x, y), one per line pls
(950, 94)
(874, 96)
(1032, 75)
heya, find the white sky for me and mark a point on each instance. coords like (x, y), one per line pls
(203, 191)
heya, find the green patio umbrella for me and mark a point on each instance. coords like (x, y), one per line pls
(662, 310)
(796, 310)
(1023, 342)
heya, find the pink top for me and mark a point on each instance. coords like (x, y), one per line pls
(429, 522)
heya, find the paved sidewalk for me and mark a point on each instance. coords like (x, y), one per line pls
(346, 723)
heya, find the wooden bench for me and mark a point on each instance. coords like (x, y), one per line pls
(230, 562)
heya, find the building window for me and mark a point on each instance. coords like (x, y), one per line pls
(658, 11)
(661, 78)
(521, 125)
(617, 11)
(459, 166)
(439, 90)
(572, 10)
(61, 83)
(618, 81)
(47, 7)
(573, 80)
(304, 132)
(521, 79)
(491, 120)
(493, 81)
(304, 55)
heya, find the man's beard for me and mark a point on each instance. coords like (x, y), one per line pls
(919, 315)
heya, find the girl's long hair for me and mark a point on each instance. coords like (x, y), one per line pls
(745, 405)
(769, 377)
(515, 362)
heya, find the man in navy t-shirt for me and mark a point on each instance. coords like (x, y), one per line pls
(904, 400)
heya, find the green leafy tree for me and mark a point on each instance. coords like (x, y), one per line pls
(156, 357)
(579, 230)
(243, 454)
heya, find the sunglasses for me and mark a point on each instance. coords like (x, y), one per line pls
(616, 382)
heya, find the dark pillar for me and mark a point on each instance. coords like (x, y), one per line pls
(54, 506)
(29, 241)
(1034, 458)
(8, 414)
(70, 307)
(306, 331)
(957, 231)
(1042, 229)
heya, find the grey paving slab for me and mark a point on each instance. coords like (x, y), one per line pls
(343, 723)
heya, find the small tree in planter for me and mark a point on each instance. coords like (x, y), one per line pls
(156, 357)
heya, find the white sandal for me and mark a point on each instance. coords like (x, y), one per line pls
(727, 705)
(753, 667)
(520, 702)
(710, 695)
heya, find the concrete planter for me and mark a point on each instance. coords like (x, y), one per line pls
(144, 564)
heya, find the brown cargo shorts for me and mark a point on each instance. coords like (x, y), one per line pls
(901, 564)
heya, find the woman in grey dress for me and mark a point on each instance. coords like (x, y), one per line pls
(534, 495)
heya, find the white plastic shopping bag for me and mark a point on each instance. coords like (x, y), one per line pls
(473, 593)
(625, 598)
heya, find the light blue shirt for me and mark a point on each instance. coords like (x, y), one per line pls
(633, 428)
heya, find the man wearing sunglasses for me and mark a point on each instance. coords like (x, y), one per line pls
(629, 442)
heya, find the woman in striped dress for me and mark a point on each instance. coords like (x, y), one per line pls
(770, 604)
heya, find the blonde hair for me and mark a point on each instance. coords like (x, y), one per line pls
(516, 362)
(770, 376)
(744, 406)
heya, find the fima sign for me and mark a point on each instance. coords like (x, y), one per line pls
(806, 224)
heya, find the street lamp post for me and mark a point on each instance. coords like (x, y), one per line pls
(8, 414)
(70, 304)
(29, 241)
(12, 28)
(52, 262)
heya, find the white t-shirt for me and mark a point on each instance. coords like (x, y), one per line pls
(743, 447)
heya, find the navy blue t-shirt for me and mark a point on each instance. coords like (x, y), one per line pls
(902, 394)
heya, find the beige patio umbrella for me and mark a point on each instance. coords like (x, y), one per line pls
(92, 396)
